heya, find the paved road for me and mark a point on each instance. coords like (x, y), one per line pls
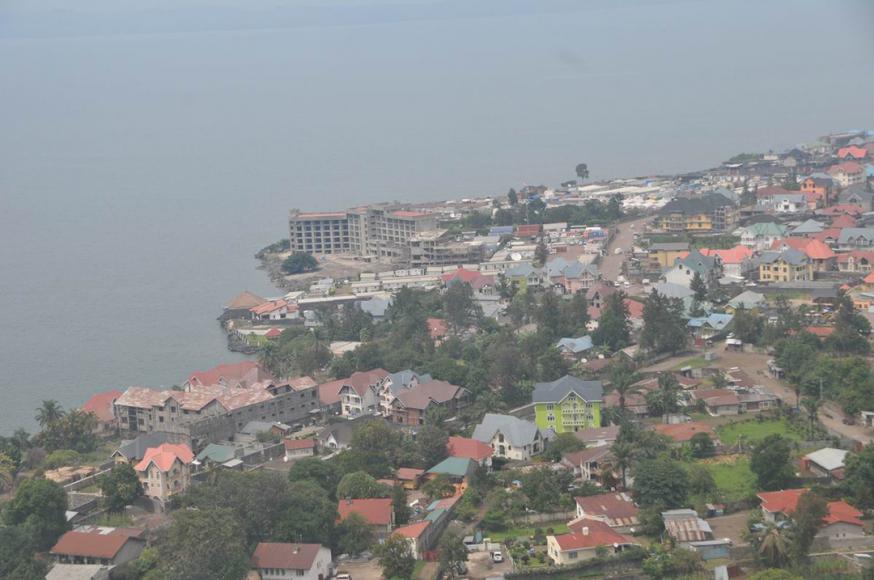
(756, 365)
(611, 264)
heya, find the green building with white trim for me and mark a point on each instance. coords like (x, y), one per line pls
(568, 404)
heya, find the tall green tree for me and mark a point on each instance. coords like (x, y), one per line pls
(770, 462)
(541, 253)
(49, 412)
(40, 507)
(664, 326)
(431, 444)
(258, 500)
(699, 287)
(360, 484)
(396, 558)
(807, 519)
(299, 262)
(399, 505)
(747, 326)
(309, 517)
(453, 555)
(582, 171)
(460, 307)
(859, 477)
(17, 555)
(773, 548)
(322, 473)
(614, 328)
(660, 481)
(355, 535)
(204, 545)
(512, 197)
(120, 487)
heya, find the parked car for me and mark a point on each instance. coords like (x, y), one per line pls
(497, 557)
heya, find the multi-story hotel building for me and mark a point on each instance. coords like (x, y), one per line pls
(380, 233)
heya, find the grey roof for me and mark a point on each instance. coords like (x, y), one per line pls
(520, 270)
(828, 458)
(669, 290)
(401, 380)
(852, 234)
(788, 255)
(217, 453)
(788, 197)
(809, 227)
(748, 299)
(376, 307)
(698, 262)
(576, 345)
(558, 389)
(766, 229)
(518, 431)
(855, 192)
(696, 205)
(136, 449)
(669, 246)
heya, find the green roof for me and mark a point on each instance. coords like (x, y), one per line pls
(767, 229)
(217, 453)
(435, 515)
(453, 466)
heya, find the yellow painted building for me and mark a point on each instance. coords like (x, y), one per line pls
(786, 266)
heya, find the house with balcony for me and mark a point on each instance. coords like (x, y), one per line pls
(568, 404)
(510, 437)
(165, 470)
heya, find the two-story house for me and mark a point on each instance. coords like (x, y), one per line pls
(165, 470)
(509, 436)
(568, 404)
(281, 561)
(784, 266)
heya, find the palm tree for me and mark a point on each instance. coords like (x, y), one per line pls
(773, 549)
(668, 388)
(811, 405)
(21, 438)
(623, 454)
(270, 359)
(49, 412)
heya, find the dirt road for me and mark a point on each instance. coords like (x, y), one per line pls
(611, 264)
(756, 365)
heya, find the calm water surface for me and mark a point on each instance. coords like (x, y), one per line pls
(146, 153)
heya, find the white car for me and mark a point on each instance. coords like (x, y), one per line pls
(497, 557)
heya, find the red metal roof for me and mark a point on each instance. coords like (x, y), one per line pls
(786, 501)
(375, 511)
(590, 534)
(469, 448)
(617, 508)
(285, 556)
(101, 405)
(95, 542)
(413, 530)
(293, 444)
(409, 473)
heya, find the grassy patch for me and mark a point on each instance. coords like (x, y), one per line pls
(734, 480)
(518, 532)
(694, 363)
(755, 430)
(417, 569)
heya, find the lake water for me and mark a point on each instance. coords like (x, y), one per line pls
(147, 153)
